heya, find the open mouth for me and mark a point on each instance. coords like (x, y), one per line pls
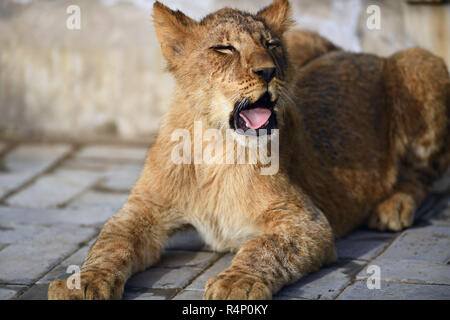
(254, 119)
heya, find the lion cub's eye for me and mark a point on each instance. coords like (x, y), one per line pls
(224, 49)
(273, 44)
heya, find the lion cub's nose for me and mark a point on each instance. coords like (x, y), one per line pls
(266, 74)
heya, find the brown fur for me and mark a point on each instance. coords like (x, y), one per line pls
(361, 140)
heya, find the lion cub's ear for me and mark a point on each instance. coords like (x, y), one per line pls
(277, 16)
(174, 30)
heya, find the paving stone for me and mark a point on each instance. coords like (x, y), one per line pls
(99, 200)
(55, 189)
(163, 278)
(34, 158)
(177, 259)
(122, 179)
(29, 233)
(14, 233)
(430, 244)
(414, 271)
(36, 292)
(148, 294)
(189, 295)
(88, 164)
(186, 240)
(26, 261)
(3, 245)
(60, 271)
(363, 245)
(10, 292)
(95, 216)
(25, 162)
(173, 259)
(118, 177)
(200, 282)
(105, 152)
(13, 181)
(24, 264)
(277, 297)
(326, 283)
(396, 291)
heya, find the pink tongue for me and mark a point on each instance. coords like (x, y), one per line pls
(255, 118)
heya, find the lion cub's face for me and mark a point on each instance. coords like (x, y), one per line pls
(231, 65)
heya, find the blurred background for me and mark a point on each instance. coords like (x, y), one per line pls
(106, 80)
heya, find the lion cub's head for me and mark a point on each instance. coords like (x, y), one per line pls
(230, 66)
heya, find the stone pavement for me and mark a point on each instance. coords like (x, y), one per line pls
(54, 198)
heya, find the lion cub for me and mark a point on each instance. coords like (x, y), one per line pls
(357, 139)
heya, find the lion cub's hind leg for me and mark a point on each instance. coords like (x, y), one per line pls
(417, 85)
(397, 211)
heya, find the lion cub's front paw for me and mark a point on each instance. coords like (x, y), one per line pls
(93, 286)
(394, 213)
(236, 286)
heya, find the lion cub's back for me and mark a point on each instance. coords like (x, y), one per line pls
(342, 101)
(343, 134)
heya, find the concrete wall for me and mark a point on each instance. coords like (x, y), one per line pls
(107, 79)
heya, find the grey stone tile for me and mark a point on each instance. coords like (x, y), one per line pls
(34, 158)
(117, 177)
(148, 294)
(25, 162)
(326, 283)
(99, 200)
(87, 164)
(189, 295)
(55, 189)
(395, 291)
(199, 283)
(163, 278)
(186, 240)
(430, 244)
(36, 292)
(94, 216)
(24, 264)
(26, 261)
(363, 245)
(177, 259)
(278, 297)
(60, 271)
(13, 181)
(44, 234)
(105, 152)
(415, 271)
(14, 233)
(10, 292)
(122, 179)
